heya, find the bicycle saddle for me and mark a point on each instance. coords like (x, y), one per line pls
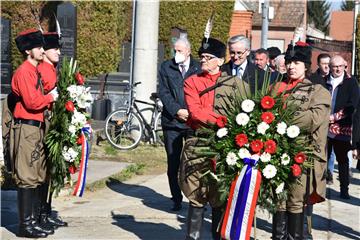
(154, 96)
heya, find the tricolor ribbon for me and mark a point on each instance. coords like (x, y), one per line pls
(241, 203)
(85, 151)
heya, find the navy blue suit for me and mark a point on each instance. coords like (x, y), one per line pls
(171, 92)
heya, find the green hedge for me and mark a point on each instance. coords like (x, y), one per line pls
(192, 16)
(102, 26)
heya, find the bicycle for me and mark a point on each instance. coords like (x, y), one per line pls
(125, 127)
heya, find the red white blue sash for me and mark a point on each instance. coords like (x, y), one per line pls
(241, 203)
(85, 151)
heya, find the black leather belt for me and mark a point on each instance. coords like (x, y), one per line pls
(29, 122)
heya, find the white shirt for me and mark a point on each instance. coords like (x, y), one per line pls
(239, 69)
(335, 82)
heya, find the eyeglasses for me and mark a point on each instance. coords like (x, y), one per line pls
(338, 66)
(239, 54)
(207, 57)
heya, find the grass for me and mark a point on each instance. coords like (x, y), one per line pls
(145, 160)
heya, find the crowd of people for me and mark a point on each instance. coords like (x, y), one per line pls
(189, 91)
(190, 101)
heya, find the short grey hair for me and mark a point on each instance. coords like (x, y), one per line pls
(183, 40)
(239, 38)
(278, 59)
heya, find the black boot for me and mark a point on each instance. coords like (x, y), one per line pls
(39, 222)
(194, 222)
(344, 180)
(279, 226)
(215, 221)
(25, 209)
(295, 226)
(54, 220)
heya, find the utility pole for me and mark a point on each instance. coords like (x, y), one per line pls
(356, 10)
(265, 23)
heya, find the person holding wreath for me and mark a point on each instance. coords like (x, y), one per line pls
(313, 108)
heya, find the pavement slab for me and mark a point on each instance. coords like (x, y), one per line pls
(139, 209)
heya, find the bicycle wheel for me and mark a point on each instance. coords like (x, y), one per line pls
(123, 130)
(158, 130)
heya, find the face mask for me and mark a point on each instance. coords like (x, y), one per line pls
(179, 58)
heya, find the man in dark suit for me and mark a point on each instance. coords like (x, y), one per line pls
(323, 62)
(239, 48)
(344, 96)
(172, 74)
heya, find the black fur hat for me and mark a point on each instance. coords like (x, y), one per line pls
(51, 40)
(300, 52)
(212, 46)
(29, 39)
(273, 52)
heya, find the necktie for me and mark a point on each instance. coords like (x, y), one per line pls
(239, 72)
(183, 70)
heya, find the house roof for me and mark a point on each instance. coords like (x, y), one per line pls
(286, 13)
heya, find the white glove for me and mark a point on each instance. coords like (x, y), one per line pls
(54, 93)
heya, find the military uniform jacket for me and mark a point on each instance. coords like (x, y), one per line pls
(312, 116)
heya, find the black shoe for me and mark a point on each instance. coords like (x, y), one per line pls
(57, 221)
(344, 195)
(329, 178)
(176, 207)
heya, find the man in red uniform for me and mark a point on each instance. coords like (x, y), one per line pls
(201, 112)
(47, 70)
(28, 131)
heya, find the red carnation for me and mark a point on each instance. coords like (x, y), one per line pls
(267, 102)
(300, 158)
(270, 146)
(221, 121)
(79, 140)
(79, 78)
(296, 170)
(241, 139)
(72, 169)
(69, 105)
(267, 117)
(213, 164)
(256, 146)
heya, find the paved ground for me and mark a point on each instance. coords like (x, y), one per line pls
(139, 209)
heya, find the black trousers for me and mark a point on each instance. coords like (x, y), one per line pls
(174, 140)
(341, 149)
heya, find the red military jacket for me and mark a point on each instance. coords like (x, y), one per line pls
(201, 109)
(48, 75)
(32, 101)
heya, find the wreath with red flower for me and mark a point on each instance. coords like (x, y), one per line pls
(69, 118)
(259, 127)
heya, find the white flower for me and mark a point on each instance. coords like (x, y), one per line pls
(269, 171)
(72, 129)
(244, 153)
(265, 157)
(293, 131)
(242, 119)
(280, 188)
(262, 127)
(222, 132)
(78, 119)
(231, 158)
(72, 90)
(247, 105)
(66, 154)
(281, 128)
(73, 153)
(285, 159)
(84, 100)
